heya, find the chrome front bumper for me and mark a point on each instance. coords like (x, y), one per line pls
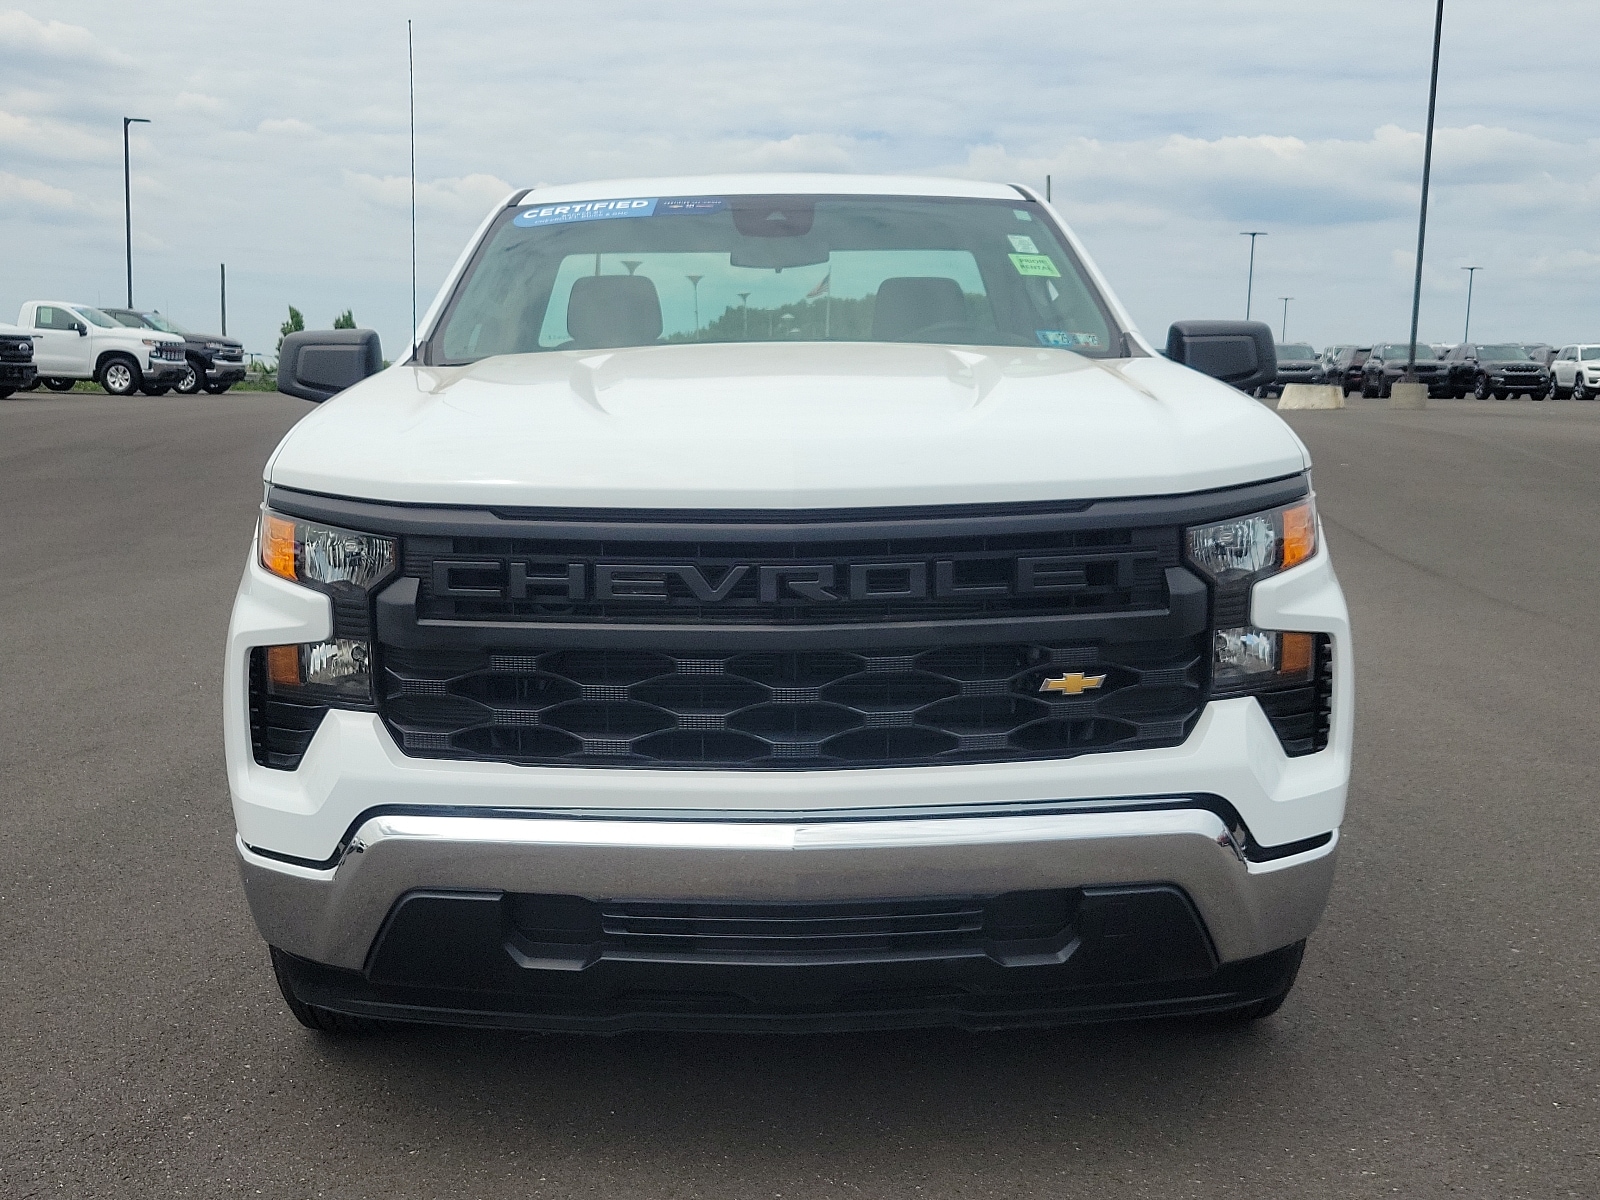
(333, 914)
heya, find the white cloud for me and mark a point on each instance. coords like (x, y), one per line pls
(35, 194)
(471, 194)
(51, 139)
(287, 127)
(21, 34)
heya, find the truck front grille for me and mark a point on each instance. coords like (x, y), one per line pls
(809, 709)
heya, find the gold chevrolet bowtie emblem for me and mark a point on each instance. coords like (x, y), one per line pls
(1074, 683)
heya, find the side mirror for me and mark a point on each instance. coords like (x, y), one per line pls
(1238, 352)
(80, 329)
(318, 364)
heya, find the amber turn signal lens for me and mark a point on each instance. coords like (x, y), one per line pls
(277, 545)
(283, 666)
(1294, 654)
(1299, 534)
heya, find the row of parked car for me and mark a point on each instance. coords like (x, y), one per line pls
(56, 343)
(1482, 369)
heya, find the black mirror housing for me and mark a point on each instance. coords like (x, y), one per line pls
(81, 329)
(320, 363)
(1238, 352)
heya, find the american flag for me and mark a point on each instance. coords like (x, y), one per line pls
(822, 289)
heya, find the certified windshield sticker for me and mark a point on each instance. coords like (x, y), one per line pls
(1066, 341)
(1022, 214)
(691, 205)
(1034, 264)
(1022, 243)
(587, 210)
(610, 210)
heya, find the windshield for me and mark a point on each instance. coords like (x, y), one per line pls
(1403, 350)
(156, 321)
(653, 271)
(1506, 353)
(1296, 350)
(95, 317)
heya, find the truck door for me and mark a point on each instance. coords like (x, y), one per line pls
(55, 340)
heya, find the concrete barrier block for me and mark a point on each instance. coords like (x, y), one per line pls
(1408, 395)
(1311, 395)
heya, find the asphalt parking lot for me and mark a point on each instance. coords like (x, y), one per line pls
(1442, 1040)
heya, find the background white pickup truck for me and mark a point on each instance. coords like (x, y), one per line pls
(78, 341)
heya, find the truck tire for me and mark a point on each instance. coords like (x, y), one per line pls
(58, 385)
(1480, 389)
(1580, 390)
(120, 375)
(216, 389)
(5, 393)
(192, 380)
(323, 1020)
(155, 389)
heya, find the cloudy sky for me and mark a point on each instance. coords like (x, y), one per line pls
(278, 143)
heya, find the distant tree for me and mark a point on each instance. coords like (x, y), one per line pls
(345, 320)
(295, 324)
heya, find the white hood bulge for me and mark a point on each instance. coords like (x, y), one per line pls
(809, 425)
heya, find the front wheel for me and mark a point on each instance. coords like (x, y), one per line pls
(155, 389)
(121, 376)
(1368, 392)
(1539, 395)
(5, 393)
(59, 385)
(1581, 390)
(191, 381)
(216, 389)
(1480, 389)
(1385, 389)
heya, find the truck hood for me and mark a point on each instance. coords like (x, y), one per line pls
(815, 425)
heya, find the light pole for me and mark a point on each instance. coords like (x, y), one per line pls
(1283, 334)
(1466, 331)
(1427, 168)
(1250, 283)
(127, 197)
(744, 303)
(695, 280)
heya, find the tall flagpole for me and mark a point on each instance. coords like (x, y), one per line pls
(411, 70)
(1422, 219)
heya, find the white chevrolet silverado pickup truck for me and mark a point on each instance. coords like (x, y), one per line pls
(793, 603)
(78, 341)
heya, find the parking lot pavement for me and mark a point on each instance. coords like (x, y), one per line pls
(1442, 1040)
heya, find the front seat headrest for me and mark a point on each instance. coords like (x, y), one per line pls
(907, 303)
(613, 310)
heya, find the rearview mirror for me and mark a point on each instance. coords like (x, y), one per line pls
(318, 364)
(1238, 352)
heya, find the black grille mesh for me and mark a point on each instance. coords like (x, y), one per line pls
(788, 709)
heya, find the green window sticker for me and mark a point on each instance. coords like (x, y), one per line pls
(1022, 243)
(1022, 214)
(1035, 264)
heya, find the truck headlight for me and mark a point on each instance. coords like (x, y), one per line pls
(1242, 550)
(323, 556)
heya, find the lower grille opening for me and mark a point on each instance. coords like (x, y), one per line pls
(547, 929)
